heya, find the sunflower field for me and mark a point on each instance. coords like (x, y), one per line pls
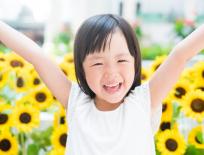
(181, 130)
(24, 98)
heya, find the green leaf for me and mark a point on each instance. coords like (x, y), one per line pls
(176, 112)
(157, 152)
(138, 32)
(20, 152)
(4, 49)
(192, 150)
(42, 138)
(33, 149)
(200, 137)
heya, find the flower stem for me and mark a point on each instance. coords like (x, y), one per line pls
(23, 143)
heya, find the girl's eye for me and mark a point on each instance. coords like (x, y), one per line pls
(122, 60)
(97, 64)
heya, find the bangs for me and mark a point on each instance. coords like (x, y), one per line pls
(98, 33)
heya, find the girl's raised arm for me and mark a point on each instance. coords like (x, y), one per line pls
(49, 72)
(168, 73)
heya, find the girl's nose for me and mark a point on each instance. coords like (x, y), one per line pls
(110, 77)
(111, 72)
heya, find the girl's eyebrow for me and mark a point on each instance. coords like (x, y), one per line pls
(95, 57)
(122, 54)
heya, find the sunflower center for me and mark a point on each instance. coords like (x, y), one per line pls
(157, 67)
(3, 118)
(197, 140)
(36, 81)
(165, 125)
(1, 77)
(25, 117)
(70, 61)
(64, 72)
(203, 74)
(63, 139)
(180, 92)
(16, 63)
(171, 144)
(5, 145)
(2, 59)
(62, 120)
(40, 97)
(164, 107)
(197, 105)
(143, 77)
(201, 88)
(20, 82)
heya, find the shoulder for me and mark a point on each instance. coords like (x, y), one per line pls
(140, 97)
(76, 96)
(141, 92)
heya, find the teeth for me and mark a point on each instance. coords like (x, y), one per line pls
(112, 85)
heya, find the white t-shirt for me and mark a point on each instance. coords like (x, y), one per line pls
(127, 130)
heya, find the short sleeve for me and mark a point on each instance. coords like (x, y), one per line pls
(141, 95)
(76, 96)
(156, 118)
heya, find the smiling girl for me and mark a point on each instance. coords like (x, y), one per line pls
(109, 112)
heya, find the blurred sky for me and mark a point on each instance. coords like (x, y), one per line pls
(70, 9)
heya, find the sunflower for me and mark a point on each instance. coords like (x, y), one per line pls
(69, 58)
(71, 72)
(2, 61)
(180, 90)
(157, 62)
(171, 142)
(198, 64)
(145, 74)
(2, 57)
(8, 144)
(22, 81)
(4, 74)
(26, 117)
(193, 137)
(164, 125)
(59, 138)
(167, 125)
(56, 152)
(68, 70)
(42, 96)
(193, 105)
(188, 74)
(5, 118)
(35, 79)
(167, 109)
(26, 100)
(64, 67)
(198, 85)
(60, 118)
(199, 71)
(16, 62)
(57, 103)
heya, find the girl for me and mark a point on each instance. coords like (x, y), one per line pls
(109, 112)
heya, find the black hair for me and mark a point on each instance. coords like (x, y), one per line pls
(92, 37)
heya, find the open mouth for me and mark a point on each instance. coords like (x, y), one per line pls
(112, 88)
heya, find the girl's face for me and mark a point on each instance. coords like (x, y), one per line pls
(110, 73)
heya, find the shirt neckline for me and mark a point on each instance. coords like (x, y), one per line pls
(106, 112)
